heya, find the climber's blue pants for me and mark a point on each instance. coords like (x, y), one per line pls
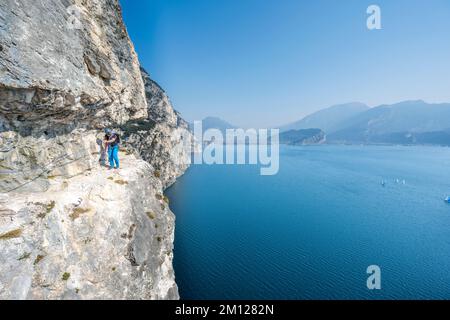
(113, 156)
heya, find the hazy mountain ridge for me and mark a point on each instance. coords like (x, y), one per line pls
(407, 122)
(329, 119)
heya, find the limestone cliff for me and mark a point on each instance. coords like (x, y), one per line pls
(70, 229)
(303, 137)
(58, 80)
(163, 138)
(98, 235)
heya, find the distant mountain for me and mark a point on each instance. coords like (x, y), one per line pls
(215, 123)
(302, 137)
(330, 119)
(409, 122)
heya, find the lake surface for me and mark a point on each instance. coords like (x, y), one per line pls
(311, 231)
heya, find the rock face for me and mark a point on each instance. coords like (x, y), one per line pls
(69, 229)
(407, 122)
(102, 234)
(163, 139)
(52, 68)
(56, 79)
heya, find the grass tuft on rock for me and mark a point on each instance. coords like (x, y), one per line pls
(25, 256)
(47, 208)
(121, 182)
(38, 259)
(11, 234)
(65, 276)
(166, 199)
(50, 206)
(161, 197)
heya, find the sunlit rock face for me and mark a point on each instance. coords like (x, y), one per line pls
(163, 139)
(98, 235)
(70, 229)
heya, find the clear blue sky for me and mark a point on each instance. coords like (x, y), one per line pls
(270, 62)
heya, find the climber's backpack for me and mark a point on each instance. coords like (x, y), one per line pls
(117, 141)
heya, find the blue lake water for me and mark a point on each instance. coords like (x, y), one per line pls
(311, 231)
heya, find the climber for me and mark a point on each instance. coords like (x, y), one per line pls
(103, 147)
(113, 148)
